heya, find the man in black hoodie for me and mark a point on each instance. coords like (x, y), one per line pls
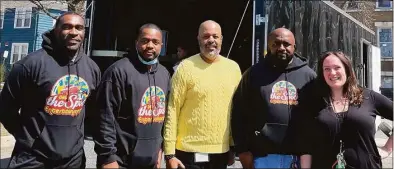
(51, 88)
(261, 123)
(132, 100)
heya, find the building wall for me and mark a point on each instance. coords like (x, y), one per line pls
(383, 19)
(45, 23)
(318, 27)
(10, 35)
(377, 19)
(40, 22)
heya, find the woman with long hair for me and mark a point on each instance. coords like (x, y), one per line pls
(339, 127)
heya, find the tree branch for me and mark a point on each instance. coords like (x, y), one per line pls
(76, 6)
(43, 8)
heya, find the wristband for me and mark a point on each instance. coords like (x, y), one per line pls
(169, 157)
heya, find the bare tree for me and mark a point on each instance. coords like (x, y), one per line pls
(77, 6)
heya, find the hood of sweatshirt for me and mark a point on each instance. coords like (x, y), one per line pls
(296, 63)
(58, 52)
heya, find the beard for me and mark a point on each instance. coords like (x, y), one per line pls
(141, 54)
(211, 55)
(281, 60)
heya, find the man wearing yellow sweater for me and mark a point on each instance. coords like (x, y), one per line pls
(197, 127)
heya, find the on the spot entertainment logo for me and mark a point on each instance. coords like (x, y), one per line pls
(284, 92)
(68, 96)
(153, 106)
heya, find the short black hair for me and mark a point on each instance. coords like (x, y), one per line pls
(148, 25)
(65, 14)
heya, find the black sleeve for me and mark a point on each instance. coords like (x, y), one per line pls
(383, 105)
(239, 116)
(11, 99)
(109, 98)
(91, 105)
(308, 103)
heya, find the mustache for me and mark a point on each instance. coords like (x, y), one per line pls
(72, 38)
(211, 44)
(282, 54)
(149, 50)
(145, 51)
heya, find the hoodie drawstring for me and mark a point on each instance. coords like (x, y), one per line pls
(68, 81)
(153, 108)
(288, 98)
(69, 77)
(150, 96)
(154, 83)
(76, 65)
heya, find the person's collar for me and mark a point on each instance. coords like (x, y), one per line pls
(205, 59)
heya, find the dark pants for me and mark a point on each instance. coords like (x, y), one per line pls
(26, 159)
(216, 161)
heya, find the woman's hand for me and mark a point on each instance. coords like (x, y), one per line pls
(384, 152)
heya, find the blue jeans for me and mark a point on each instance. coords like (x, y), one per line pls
(275, 161)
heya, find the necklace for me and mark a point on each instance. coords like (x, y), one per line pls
(337, 103)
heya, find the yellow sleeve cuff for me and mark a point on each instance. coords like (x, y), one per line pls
(169, 147)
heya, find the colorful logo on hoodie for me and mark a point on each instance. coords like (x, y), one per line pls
(153, 106)
(284, 92)
(68, 96)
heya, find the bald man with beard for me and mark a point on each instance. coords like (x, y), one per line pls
(197, 126)
(261, 122)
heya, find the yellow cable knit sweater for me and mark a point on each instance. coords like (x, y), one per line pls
(198, 117)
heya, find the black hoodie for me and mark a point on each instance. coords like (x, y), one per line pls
(51, 119)
(262, 106)
(132, 102)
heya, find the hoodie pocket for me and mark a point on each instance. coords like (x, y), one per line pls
(145, 152)
(275, 132)
(59, 142)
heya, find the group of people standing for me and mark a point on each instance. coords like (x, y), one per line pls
(278, 114)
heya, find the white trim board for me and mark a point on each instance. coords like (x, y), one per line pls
(386, 73)
(384, 24)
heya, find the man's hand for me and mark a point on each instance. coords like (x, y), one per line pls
(111, 165)
(231, 158)
(174, 163)
(159, 156)
(246, 159)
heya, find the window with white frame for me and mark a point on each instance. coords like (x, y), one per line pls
(1, 20)
(385, 42)
(22, 17)
(18, 51)
(384, 4)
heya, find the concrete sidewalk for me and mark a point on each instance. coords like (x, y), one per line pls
(7, 144)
